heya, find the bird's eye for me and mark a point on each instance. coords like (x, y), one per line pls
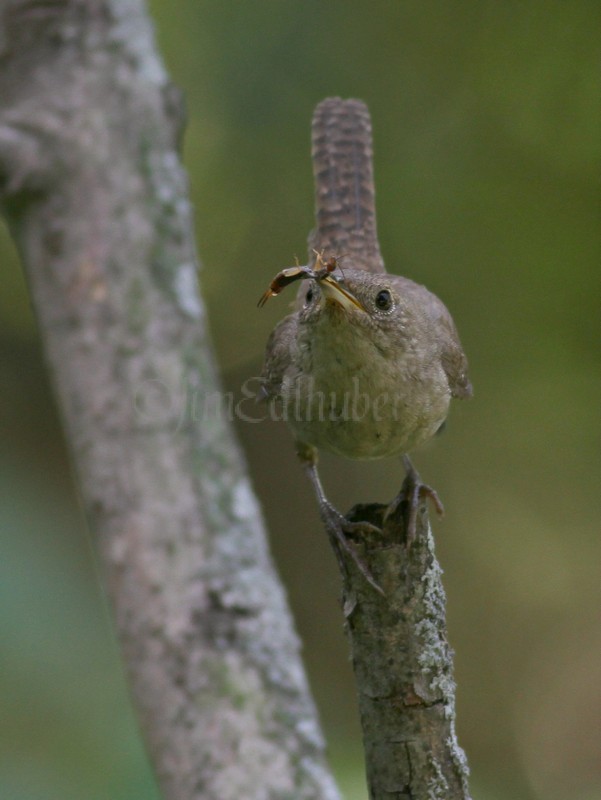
(384, 300)
(309, 295)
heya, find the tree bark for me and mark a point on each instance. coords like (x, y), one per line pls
(401, 657)
(95, 197)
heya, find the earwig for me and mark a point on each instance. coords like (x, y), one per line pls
(297, 273)
(282, 279)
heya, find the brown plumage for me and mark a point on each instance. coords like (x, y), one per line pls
(366, 382)
(367, 365)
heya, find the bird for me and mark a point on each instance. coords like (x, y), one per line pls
(367, 364)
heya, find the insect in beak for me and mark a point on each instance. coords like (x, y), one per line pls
(282, 279)
(320, 272)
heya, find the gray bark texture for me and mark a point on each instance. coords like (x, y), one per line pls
(95, 196)
(401, 657)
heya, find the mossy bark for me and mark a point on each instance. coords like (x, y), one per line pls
(95, 196)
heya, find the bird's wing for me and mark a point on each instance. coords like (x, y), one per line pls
(278, 354)
(453, 359)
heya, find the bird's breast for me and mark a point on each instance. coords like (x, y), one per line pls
(347, 394)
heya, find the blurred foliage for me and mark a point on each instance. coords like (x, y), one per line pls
(487, 148)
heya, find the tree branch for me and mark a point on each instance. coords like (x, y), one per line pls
(401, 657)
(95, 197)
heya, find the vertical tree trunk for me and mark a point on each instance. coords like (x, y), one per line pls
(95, 196)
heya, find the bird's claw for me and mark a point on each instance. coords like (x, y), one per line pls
(413, 492)
(340, 529)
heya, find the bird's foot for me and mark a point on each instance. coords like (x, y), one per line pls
(409, 499)
(340, 530)
(337, 526)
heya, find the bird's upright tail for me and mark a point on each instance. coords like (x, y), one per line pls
(344, 186)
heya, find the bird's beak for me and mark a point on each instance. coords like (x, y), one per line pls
(332, 290)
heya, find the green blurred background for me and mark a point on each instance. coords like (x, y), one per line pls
(487, 147)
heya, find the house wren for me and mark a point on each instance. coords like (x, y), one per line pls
(367, 365)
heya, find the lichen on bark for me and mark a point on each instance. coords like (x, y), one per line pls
(93, 189)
